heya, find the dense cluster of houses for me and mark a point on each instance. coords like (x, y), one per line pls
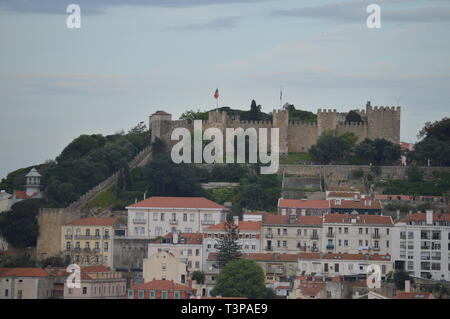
(308, 249)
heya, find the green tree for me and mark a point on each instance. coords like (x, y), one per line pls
(399, 279)
(329, 149)
(414, 174)
(191, 115)
(228, 248)
(434, 144)
(353, 117)
(198, 276)
(242, 278)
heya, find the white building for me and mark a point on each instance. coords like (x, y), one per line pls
(248, 241)
(33, 184)
(157, 216)
(181, 245)
(356, 234)
(421, 244)
(25, 283)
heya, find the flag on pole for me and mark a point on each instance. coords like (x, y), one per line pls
(281, 97)
(216, 94)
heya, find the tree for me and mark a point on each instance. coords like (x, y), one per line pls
(228, 248)
(400, 276)
(353, 117)
(414, 174)
(434, 144)
(329, 149)
(191, 115)
(377, 152)
(242, 278)
(198, 276)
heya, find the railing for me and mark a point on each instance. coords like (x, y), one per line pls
(69, 236)
(330, 246)
(268, 235)
(106, 237)
(139, 221)
(207, 222)
(330, 235)
(376, 248)
(173, 222)
(376, 236)
(315, 236)
(269, 248)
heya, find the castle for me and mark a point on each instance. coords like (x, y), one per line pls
(377, 122)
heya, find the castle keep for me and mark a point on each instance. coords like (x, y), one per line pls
(378, 122)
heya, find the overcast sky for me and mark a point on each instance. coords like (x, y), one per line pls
(128, 61)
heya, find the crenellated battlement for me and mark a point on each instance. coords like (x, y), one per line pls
(383, 108)
(300, 123)
(353, 124)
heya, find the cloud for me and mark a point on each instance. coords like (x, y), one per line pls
(216, 24)
(98, 6)
(355, 12)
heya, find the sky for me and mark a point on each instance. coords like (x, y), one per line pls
(132, 58)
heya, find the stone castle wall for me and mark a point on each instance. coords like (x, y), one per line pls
(378, 122)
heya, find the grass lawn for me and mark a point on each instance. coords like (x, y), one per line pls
(295, 158)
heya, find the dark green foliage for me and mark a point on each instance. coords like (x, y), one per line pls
(399, 279)
(437, 186)
(227, 173)
(377, 152)
(198, 276)
(20, 261)
(19, 225)
(435, 144)
(258, 192)
(242, 278)
(190, 116)
(228, 248)
(53, 262)
(81, 146)
(353, 117)
(330, 149)
(414, 174)
(254, 114)
(299, 115)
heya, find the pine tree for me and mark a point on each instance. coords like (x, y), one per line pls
(228, 247)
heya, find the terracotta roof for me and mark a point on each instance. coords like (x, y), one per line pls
(352, 204)
(264, 257)
(298, 203)
(177, 202)
(360, 219)
(22, 195)
(311, 288)
(309, 256)
(93, 221)
(275, 219)
(23, 272)
(343, 194)
(309, 220)
(93, 269)
(190, 238)
(162, 285)
(356, 257)
(414, 295)
(394, 197)
(421, 217)
(282, 287)
(243, 225)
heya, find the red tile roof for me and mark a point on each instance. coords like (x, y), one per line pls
(168, 285)
(23, 272)
(93, 221)
(421, 217)
(94, 269)
(356, 257)
(283, 220)
(177, 202)
(243, 225)
(311, 288)
(272, 257)
(360, 219)
(298, 203)
(309, 220)
(414, 295)
(161, 113)
(190, 238)
(352, 204)
(22, 195)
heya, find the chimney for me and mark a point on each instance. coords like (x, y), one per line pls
(407, 286)
(236, 220)
(398, 214)
(337, 201)
(367, 202)
(429, 217)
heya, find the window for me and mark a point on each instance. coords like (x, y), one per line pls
(360, 231)
(97, 233)
(87, 245)
(19, 294)
(106, 246)
(191, 217)
(84, 290)
(346, 243)
(152, 294)
(155, 217)
(97, 245)
(68, 245)
(197, 252)
(164, 295)
(174, 216)
(88, 232)
(346, 230)
(197, 264)
(360, 242)
(164, 267)
(162, 217)
(176, 295)
(6, 292)
(141, 294)
(284, 243)
(185, 217)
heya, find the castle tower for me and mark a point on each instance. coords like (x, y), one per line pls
(281, 121)
(326, 120)
(383, 122)
(33, 183)
(160, 123)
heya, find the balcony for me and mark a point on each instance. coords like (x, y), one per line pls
(87, 250)
(69, 236)
(275, 270)
(139, 221)
(425, 247)
(330, 235)
(106, 237)
(173, 222)
(268, 235)
(314, 237)
(376, 236)
(376, 248)
(330, 246)
(208, 222)
(268, 248)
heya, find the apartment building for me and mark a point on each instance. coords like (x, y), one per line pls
(25, 283)
(182, 245)
(291, 234)
(422, 244)
(97, 282)
(355, 234)
(303, 207)
(317, 287)
(157, 216)
(361, 205)
(344, 265)
(89, 241)
(160, 289)
(164, 265)
(248, 239)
